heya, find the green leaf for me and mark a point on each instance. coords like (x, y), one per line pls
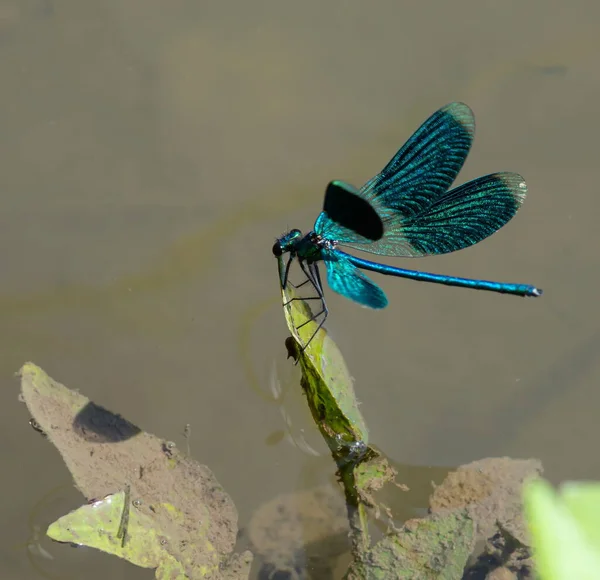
(325, 377)
(565, 532)
(100, 524)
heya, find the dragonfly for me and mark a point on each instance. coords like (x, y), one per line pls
(406, 210)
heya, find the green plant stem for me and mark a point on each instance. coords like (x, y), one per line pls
(360, 538)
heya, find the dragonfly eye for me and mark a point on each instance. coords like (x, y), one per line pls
(277, 249)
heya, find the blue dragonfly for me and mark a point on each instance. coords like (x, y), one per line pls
(406, 210)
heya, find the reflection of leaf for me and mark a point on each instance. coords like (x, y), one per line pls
(565, 533)
(97, 525)
(177, 502)
(300, 529)
(325, 378)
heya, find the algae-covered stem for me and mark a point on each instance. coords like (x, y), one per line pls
(360, 538)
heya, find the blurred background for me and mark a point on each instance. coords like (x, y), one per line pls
(152, 151)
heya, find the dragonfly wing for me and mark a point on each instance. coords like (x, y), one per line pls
(463, 216)
(344, 205)
(346, 279)
(427, 165)
(420, 172)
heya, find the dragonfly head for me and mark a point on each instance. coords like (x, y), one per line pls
(286, 243)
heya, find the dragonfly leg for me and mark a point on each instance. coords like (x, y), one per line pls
(286, 274)
(305, 298)
(286, 277)
(299, 285)
(313, 276)
(315, 281)
(325, 313)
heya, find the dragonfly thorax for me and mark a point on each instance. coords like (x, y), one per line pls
(321, 242)
(310, 248)
(307, 247)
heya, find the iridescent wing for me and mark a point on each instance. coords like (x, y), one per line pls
(418, 175)
(346, 279)
(458, 219)
(461, 217)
